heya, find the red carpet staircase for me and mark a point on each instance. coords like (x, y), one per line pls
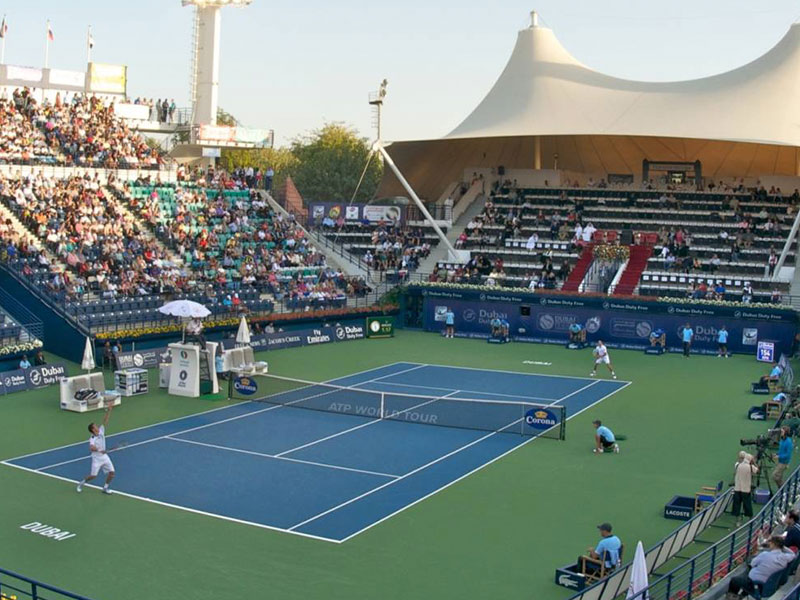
(577, 274)
(637, 263)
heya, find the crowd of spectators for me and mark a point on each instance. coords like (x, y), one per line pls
(90, 234)
(396, 248)
(82, 132)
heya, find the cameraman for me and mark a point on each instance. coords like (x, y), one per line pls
(764, 565)
(784, 456)
(744, 469)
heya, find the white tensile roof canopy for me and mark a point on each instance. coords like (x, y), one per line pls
(742, 123)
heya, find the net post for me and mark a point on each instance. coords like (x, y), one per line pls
(383, 405)
(522, 420)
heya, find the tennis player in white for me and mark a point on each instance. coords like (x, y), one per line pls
(100, 460)
(601, 356)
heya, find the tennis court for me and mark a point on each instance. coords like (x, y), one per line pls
(335, 471)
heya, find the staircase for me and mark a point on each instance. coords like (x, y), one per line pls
(637, 263)
(575, 278)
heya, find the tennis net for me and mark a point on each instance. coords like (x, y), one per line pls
(500, 416)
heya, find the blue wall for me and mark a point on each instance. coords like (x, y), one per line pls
(620, 323)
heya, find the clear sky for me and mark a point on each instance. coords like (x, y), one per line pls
(293, 65)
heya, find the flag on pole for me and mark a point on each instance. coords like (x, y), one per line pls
(638, 575)
(50, 35)
(3, 28)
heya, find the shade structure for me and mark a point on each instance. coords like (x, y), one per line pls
(185, 308)
(548, 107)
(87, 363)
(243, 334)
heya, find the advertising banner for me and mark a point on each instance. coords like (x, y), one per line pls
(303, 337)
(20, 380)
(621, 324)
(111, 79)
(143, 359)
(355, 212)
(378, 327)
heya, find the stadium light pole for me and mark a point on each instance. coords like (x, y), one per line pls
(376, 100)
(205, 58)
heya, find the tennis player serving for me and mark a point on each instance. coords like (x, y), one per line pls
(100, 460)
(601, 356)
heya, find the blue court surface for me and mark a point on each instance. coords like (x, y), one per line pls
(313, 473)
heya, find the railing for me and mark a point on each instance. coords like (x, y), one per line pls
(793, 594)
(25, 318)
(14, 584)
(698, 574)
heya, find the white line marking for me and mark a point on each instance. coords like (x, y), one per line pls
(278, 457)
(179, 507)
(205, 412)
(214, 424)
(510, 372)
(586, 387)
(412, 472)
(358, 426)
(380, 487)
(521, 397)
(475, 470)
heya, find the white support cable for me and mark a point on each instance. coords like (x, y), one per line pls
(452, 251)
(787, 246)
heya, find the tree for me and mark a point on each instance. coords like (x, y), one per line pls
(281, 160)
(329, 163)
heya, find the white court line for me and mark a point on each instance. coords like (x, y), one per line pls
(433, 387)
(380, 487)
(509, 372)
(280, 454)
(215, 423)
(586, 387)
(417, 470)
(475, 470)
(278, 457)
(178, 507)
(205, 412)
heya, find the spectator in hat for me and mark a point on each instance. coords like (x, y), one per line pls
(744, 469)
(607, 549)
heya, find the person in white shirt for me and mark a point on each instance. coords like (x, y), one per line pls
(600, 353)
(100, 460)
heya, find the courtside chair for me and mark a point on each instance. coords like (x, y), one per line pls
(707, 494)
(769, 587)
(597, 568)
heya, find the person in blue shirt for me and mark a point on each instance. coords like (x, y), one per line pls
(774, 374)
(658, 337)
(722, 342)
(497, 327)
(577, 334)
(603, 438)
(24, 363)
(607, 549)
(687, 333)
(449, 322)
(784, 456)
(504, 328)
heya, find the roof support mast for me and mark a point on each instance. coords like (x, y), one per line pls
(376, 100)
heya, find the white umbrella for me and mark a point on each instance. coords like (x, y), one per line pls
(638, 575)
(184, 308)
(88, 356)
(243, 335)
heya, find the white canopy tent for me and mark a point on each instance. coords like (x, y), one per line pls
(547, 107)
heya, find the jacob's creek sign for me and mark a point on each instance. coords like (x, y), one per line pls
(20, 380)
(303, 337)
